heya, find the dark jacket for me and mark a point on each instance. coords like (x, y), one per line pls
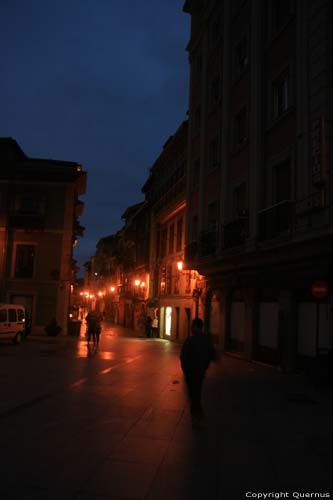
(196, 354)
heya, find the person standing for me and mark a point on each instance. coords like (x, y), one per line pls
(196, 354)
(154, 326)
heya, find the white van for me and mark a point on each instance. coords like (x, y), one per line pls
(12, 322)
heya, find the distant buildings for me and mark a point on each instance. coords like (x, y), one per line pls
(39, 210)
(172, 284)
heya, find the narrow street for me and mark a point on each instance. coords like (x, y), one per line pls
(86, 423)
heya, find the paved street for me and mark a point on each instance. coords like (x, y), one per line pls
(80, 423)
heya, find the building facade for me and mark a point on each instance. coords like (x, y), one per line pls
(39, 210)
(259, 215)
(175, 290)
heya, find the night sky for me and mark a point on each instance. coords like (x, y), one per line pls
(100, 82)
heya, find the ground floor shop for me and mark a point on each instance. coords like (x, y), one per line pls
(175, 317)
(273, 317)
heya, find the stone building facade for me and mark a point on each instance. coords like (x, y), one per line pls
(39, 210)
(260, 174)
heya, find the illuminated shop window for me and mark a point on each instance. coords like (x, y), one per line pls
(168, 318)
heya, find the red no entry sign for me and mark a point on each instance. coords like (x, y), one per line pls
(319, 289)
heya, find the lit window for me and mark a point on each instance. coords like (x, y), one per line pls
(168, 320)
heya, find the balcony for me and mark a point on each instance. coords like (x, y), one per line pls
(208, 243)
(28, 222)
(235, 232)
(275, 220)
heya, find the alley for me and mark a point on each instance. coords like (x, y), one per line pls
(86, 423)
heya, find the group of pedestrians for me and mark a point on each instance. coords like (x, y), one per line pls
(94, 328)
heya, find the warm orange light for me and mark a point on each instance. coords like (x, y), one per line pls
(137, 282)
(180, 265)
(112, 289)
(100, 294)
(91, 296)
(143, 284)
(81, 293)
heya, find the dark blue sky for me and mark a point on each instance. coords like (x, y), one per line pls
(100, 82)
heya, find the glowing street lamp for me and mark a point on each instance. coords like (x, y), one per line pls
(112, 289)
(180, 265)
(137, 282)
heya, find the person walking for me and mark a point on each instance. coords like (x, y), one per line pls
(98, 327)
(92, 321)
(196, 354)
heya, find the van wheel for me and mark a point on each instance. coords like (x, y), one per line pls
(18, 337)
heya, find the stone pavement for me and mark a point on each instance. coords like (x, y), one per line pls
(112, 423)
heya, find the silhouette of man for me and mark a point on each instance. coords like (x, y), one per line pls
(196, 354)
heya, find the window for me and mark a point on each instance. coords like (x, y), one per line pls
(241, 56)
(158, 242)
(12, 315)
(179, 235)
(3, 315)
(213, 153)
(171, 237)
(240, 128)
(212, 216)
(214, 33)
(280, 95)
(163, 241)
(30, 204)
(176, 284)
(168, 279)
(168, 320)
(281, 10)
(188, 282)
(214, 94)
(162, 280)
(282, 182)
(25, 260)
(240, 201)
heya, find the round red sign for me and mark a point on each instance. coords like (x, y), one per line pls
(319, 289)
